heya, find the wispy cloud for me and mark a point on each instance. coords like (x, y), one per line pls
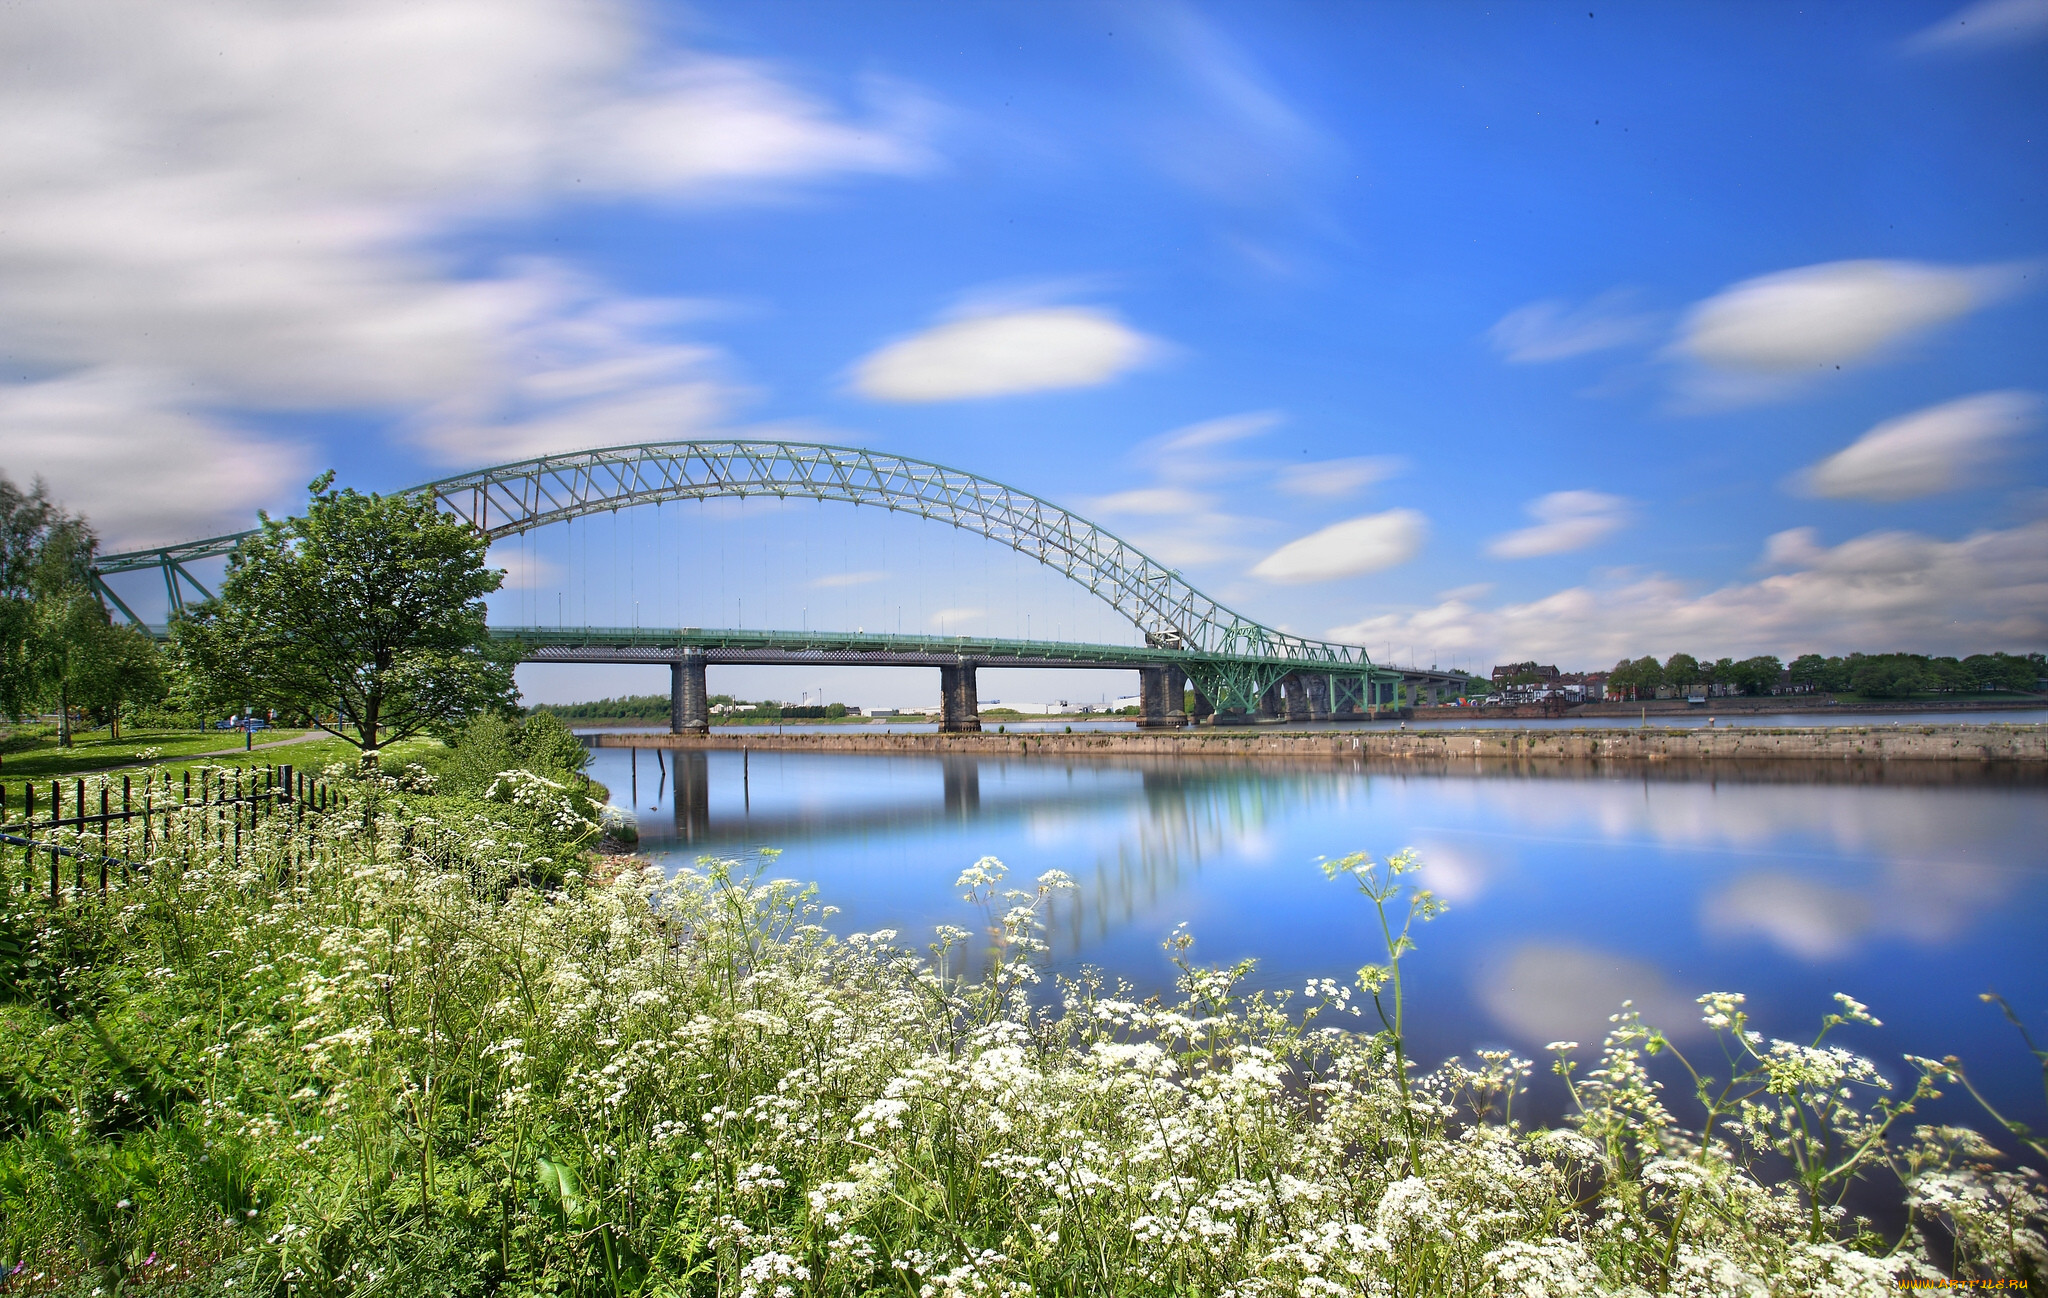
(1333, 479)
(1927, 452)
(836, 580)
(1150, 501)
(1554, 330)
(1566, 520)
(1217, 432)
(1988, 24)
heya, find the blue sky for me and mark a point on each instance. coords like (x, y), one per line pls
(1466, 334)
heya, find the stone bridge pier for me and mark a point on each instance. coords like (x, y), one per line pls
(1162, 694)
(689, 705)
(959, 703)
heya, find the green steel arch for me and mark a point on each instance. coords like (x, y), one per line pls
(507, 499)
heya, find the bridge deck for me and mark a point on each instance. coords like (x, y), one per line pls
(654, 646)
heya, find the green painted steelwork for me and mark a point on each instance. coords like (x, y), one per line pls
(1230, 658)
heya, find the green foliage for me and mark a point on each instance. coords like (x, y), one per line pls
(1637, 679)
(1682, 671)
(374, 1059)
(57, 645)
(629, 707)
(368, 605)
(492, 743)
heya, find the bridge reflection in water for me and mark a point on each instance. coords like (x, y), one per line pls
(1135, 831)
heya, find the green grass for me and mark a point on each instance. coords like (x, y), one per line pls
(179, 748)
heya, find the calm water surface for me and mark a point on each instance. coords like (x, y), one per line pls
(1571, 888)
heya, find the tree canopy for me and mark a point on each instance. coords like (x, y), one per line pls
(57, 644)
(368, 609)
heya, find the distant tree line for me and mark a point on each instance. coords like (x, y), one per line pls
(1882, 676)
(654, 707)
(628, 707)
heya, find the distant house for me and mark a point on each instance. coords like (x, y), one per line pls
(1543, 675)
(1583, 687)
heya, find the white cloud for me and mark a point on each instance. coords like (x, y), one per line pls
(1329, 479)
(1882, 590)
(838, 579)
(250, 201)
(1566, 520)
(953, 619)
(1346, 549)
(1988, 24)
(1831, 314)
(1552, 331)
(999, 355)
(1929, 451)
(113, 446)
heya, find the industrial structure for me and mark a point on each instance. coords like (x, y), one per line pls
(1237, 668)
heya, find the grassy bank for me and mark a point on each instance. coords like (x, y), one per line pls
(428, 1047)
(30, 754)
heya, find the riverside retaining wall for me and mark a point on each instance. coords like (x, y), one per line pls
(1892, 742)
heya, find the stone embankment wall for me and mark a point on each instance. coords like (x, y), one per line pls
(1855, 743)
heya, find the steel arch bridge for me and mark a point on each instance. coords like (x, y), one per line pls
(1234, 662)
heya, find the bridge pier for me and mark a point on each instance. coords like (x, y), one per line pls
(1205, 711)
(689, 706)
(1160, 698)
(959, 704)
(1294, 697)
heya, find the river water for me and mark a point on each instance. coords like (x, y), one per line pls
(1912, 886)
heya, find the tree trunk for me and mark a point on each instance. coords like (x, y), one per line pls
(114, 726)
(64, 716)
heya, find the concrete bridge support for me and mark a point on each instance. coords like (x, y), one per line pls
(1294, 697)
(689, 706)
(1161, 695)
(959, 703)
(1205, 711)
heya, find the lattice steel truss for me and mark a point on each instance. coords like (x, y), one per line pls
(1245, 656)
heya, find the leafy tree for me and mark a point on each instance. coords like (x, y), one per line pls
(369, 607)
(1758, 675)
(1810, 670)
(1887, 676)
(121, 666)
(45, 558)
(1682, 671)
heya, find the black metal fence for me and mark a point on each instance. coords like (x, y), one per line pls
(107, 827)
